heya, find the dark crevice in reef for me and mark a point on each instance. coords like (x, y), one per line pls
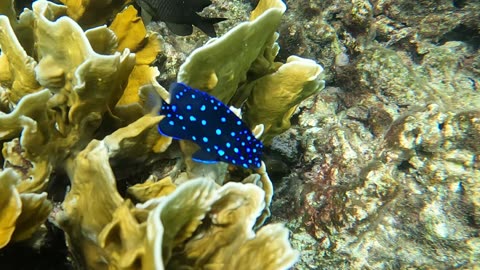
(277, 166)
(52, 254)
(459, 3)
(465, 34)
(404, 166)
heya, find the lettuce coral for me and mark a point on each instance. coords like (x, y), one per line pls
(271, 90)
(93, 13)
(56, 99)
(10, 206)
(21, 213)
(274, 97)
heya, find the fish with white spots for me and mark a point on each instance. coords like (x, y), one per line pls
(201, 118)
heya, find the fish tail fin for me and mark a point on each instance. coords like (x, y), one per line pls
(206, 25)
(150, 99)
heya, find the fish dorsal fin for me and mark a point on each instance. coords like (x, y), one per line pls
(199, 5)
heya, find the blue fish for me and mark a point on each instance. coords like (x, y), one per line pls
(201, 118)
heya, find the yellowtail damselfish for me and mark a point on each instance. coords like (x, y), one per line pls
(180, 15)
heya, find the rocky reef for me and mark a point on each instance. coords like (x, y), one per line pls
(385, 169)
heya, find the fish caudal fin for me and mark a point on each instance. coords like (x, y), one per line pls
(206, 25)
(150, 99)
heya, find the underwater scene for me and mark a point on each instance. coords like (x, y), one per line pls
(239, 134)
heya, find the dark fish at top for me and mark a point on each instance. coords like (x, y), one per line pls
(199, 117)
(180, 15)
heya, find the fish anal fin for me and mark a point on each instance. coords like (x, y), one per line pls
(204, 156)
(180, 29)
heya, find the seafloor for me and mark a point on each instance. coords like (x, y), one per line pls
(381, 169)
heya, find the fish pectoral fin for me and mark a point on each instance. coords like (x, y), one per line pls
(180, 29)
(146, 17)
(204, 156)
(147, 11)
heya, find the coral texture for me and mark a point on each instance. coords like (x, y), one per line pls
(388, 171)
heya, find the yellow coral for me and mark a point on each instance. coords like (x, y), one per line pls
(17, 69)
(215, 69)
(90, 13)
(132, 34)
(21, 214)
(10, 206)
(35, 210)
(151, 189)
(123, 238)
(275, 97)
(129, 29)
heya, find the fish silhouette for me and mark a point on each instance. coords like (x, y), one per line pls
(180, 15)
(201, 118)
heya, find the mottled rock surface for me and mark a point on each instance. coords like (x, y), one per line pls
(388, 170)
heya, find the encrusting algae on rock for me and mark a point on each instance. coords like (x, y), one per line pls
(73, 99)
